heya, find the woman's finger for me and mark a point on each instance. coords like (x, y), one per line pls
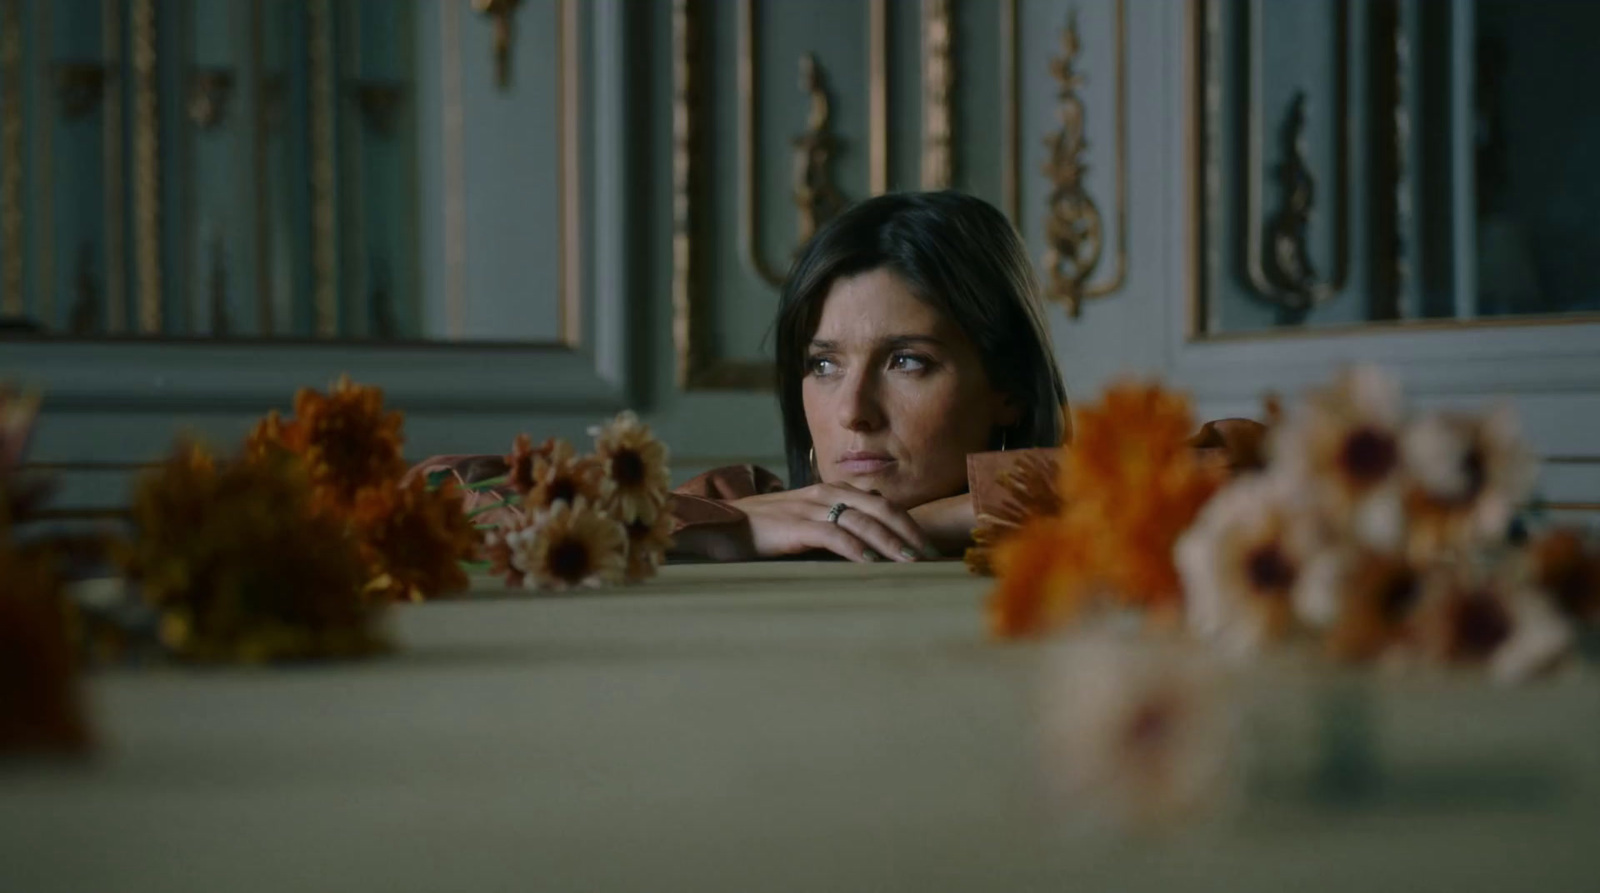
(841, 542)
(882, 511)
(874, 533)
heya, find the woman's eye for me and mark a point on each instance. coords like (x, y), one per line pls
(821, 366)
(908, 362)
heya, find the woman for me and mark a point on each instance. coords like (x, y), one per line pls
(909, 336)
(911, 346)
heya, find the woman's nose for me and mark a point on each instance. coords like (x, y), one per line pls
(859, 409)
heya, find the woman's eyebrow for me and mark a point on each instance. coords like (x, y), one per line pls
(887, 341)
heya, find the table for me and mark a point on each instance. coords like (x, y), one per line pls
(762, 727)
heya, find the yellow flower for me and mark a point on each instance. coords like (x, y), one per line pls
(561, 475)
(415, 540)
(636, 464)
(571, 546)
(1246, 563)
(1341, 448)
(348, 442)
(1467, 475)
(648, 543)
(243, 565)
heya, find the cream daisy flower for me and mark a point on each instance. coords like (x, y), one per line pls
(1342, 448)
(1370, 605)
(1137, 735)
(1499, 622)
(1245, 565)
(559, 474)
(636, 464)
(569, 546)
(1467, 476)
(648, 543)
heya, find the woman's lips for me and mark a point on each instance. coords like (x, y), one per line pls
(864, 462)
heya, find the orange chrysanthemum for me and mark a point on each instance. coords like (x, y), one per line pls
(1129, 485)
(349, 443)
(415, 540)
(1045, 578)
(1567, 569)
(242, 563)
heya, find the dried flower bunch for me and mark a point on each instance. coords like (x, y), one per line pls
(1379, 533)
(582, 521)
(41, 709)
(412, 538)
(245, 564)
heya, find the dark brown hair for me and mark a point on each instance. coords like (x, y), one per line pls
(960, 255)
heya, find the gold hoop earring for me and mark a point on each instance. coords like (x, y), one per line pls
(811, 460)
(1002, 440)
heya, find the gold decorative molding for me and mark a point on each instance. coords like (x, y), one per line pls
(453, 112)
(878, 96)
(1011, 115)
(41, 224)
(815, 196)
(324, 191)
(111, 163)
(11, 158)
(694, 365)
(260, 133)
(1074, 226)
(938, 83)
(146, 165)
(569, 114)
(503, 15)
(1286, 275)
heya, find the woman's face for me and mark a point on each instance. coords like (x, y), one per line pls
(895, 395)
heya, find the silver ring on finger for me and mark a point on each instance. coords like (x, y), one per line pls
(838, 509)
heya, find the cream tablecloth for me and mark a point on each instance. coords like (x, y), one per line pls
(783, 726)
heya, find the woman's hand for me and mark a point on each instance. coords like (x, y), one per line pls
(796, 521)
(947, 522)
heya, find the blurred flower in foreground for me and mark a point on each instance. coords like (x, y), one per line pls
(1567, 569)
(1490, 619)
(41, 709)
(1130, 484)
(1137, 735)
(1468, 474)
(1341, 449)
(244, 565)
(1246, 564)
(348, 442)
(414, 541)
(636, 464)
(520, 462)
(18, 412)
(1369, 603)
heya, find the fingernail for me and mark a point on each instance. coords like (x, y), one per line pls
(871, 555)
(908, 553)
